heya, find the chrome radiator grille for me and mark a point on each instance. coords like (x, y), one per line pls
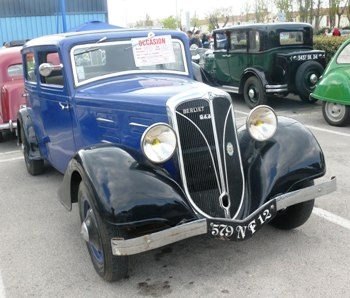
(209, 156)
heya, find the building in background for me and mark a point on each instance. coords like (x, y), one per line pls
(21, 20)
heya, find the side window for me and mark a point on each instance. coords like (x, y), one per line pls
(30, 67)
(220, 41)
(238, 40)
(344, 56)
(55, 78)
(254, 41)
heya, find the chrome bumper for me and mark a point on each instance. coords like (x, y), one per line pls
(8, 126)
(121, 247)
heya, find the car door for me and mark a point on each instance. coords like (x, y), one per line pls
(221, 55)
(238, 55)
(56, 112)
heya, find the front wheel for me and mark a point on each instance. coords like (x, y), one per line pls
(253, 92)
(34, 166)
(336, 114)
(295, 215)
(306, 78)
(98, 235)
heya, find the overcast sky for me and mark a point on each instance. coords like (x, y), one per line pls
(123, 12)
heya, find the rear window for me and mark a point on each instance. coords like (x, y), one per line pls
(291, 38)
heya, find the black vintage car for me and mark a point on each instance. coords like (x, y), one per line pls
(261, 59)
(150, 155)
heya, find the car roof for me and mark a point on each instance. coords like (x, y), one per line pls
(266, 26)
(95, 35)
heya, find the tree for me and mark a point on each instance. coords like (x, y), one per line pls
(285, 6)
(261, 10)
(146, 23)
(217, 15)
(169, 23)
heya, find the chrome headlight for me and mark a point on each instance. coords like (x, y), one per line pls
(158, 142)
(262, 123)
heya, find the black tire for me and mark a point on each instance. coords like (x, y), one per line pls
(336, 114)
(109, 267)
(253, 92)
(1, 137)
(34, 166)
(294, 216)
(306, 78)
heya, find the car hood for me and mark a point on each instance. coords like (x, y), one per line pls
(153, 90)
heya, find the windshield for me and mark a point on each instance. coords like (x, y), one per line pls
(98, 60)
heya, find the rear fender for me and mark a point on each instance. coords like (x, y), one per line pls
(275, 166)
(125, 192)
(252, 72)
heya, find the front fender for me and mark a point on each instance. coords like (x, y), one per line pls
(125, 191)
(275, 166)
(26, 132)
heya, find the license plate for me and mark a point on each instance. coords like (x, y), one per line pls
(239, 230)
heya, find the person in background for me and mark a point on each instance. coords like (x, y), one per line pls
(336, 32)
(205, 41)
(196, 39)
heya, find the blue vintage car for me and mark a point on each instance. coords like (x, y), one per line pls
(152, 156)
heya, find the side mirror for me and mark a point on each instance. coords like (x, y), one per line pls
(45, 69)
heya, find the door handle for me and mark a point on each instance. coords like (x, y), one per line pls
(64, 106)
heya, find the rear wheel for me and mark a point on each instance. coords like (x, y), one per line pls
(336, 114)
(98, 236)
(253, 92)
(296, 215)
(306, 78)
(34, 166)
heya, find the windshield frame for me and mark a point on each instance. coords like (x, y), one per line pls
(90, 47)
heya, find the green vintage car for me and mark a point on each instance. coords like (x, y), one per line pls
(334, 88)
(257, 60)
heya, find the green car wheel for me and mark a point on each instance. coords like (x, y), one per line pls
(336, 114)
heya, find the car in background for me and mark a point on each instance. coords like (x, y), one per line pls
(334, 88)
(257, 60)
(11, 88)
(150, 155)
(345, 32)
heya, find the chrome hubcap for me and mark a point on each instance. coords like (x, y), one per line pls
(313, 79)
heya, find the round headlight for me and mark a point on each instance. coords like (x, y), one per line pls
(262, 123)
(158, 142)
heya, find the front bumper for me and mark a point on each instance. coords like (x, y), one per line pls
(121, 247)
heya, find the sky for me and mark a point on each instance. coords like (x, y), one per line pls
(124, 12)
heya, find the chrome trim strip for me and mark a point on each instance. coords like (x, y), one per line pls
(104, 120)
(276, 88)
(121, 247)
(229, 88)
(138, 124)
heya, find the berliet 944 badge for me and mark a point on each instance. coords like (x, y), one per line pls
(150, 153)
